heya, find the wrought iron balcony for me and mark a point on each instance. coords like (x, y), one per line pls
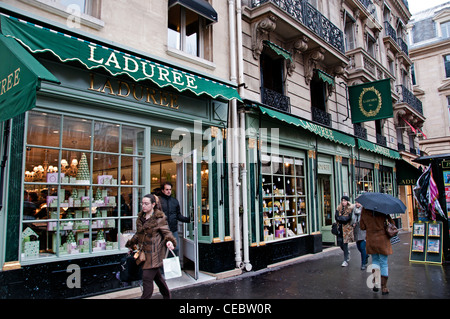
(401, 147)
(305, 13)
(381, 140)
(390, 31)
(360, 131)
(403, 46)
(276, 100)
(321, 116)
(409, 98)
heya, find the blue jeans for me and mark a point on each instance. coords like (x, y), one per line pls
(361, 245)
(380, 262)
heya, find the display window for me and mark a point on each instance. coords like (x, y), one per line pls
(83, 182)
(386, 178)
(284, 197)
(364, 180)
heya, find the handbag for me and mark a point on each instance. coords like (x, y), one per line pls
(139, 256)
(129, 271)
(391, 229)
(172, 268)
(335, 229)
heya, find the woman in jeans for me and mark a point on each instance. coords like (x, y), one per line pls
(343, 217)
(153, 235)
(378, 244)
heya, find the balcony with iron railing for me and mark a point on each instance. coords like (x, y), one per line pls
(381, 140)
(360, 131)
(409, 98)
(276, 100)
(321, 117)
(397, 42)
(309, 16)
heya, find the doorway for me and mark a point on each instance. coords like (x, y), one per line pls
(184, 189)
(326, 204)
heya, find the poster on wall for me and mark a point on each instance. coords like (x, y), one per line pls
(446, 176)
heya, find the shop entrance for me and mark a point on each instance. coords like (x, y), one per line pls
(184, 189)
(324, 194)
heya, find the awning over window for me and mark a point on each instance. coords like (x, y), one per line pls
(201, 7)
(325, 77)
(324, 132)
(278, 50)
(93, 56)
(20, 77)
(371, 147)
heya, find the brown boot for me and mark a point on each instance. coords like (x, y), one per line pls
(384, 289)
(374, 281)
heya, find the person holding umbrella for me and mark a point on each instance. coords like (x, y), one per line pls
(343, 217)
(377, 208)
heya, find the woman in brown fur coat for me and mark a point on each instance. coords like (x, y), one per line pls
(153, 235)
(343, 217)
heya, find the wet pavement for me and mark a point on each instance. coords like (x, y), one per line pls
(321, 276)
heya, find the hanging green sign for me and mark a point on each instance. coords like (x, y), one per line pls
(371, 101)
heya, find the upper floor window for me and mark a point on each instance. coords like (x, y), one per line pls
(447, 65)
(188, 29)
(371, 46)
(413, 74)
(349, 31)
(445, 29)
(77, 12)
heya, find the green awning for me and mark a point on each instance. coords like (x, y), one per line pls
(324, 132)
(325, 77)
(278, 50)
(371, 147)
(20, 77)
(93, 56)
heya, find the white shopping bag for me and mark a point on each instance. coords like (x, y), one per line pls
(172, 268)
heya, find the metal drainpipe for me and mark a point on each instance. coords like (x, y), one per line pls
(234, 119)
(240, 58)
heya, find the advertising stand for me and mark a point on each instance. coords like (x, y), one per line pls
(426, 242)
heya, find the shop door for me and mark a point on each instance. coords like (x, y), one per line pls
(190, 206)
(326, 210)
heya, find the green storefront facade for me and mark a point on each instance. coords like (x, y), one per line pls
(103, 128)
(297, 173)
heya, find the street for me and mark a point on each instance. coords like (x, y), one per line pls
(322, 277)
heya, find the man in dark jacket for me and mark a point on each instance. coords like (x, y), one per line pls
(171, 208)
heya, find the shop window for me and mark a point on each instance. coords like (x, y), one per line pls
(364, 180)
(188, 32)
(386, 180)
(83, 183)
(284, 197)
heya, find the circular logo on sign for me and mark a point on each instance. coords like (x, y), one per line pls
(370, 101)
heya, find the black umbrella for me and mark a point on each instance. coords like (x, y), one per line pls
(382, 203)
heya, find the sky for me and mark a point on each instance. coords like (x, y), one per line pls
(420, 5)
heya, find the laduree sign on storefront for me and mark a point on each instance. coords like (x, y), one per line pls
(20, 77)
(94, 56)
